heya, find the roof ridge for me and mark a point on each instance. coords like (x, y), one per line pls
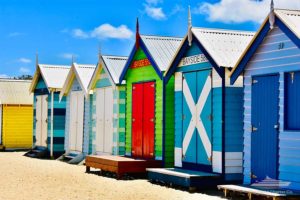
(162, 36)
(115, 56)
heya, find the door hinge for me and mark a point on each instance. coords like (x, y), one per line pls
(276, 126)
(152, 85)
(253, 128)
(209, 158)
(210, 117)
(253, 176)
(292, 76)
(254, 81)
(183, 117)
(133, 87)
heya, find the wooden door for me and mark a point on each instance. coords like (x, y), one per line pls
(41, 121)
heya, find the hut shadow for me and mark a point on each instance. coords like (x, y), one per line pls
(111, 175)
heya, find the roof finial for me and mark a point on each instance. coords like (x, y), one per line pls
(36, 59)
(99, 52)
(190, 35)
(272, 15)
(137, 34)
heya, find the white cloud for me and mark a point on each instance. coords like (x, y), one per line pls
(78, 33)
(67, 55)
(24, 70)
(105, 31)
(239, 11)
(24, 60)
(4, 76)
(15, 34)
(109, 31)
(155, 12)
(154, 2)
(177, 8)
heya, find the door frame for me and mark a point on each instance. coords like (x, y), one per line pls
(196, 166)
(142, 82)
(41, 97)
(112, 130)
(278, 131)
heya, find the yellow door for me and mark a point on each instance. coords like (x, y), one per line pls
(17, 126)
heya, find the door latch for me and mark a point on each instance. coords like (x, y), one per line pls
(276, 126)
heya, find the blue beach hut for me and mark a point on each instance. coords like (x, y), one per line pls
(208, 110)
(270, 66)
(49, 111)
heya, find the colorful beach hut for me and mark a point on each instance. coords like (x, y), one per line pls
(149, 101)
(77, 111)
(108, 107)
(208, 110)
(149, 134)
(15, 114)
(270, 66)
(49, 112)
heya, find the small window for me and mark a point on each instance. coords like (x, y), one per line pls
(292, 101)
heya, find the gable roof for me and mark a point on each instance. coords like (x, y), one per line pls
(162, 49)
(287, 20)
(113, 65)
(159, 50)
(221, 47)
(291, 18)
(54, 76)
(15, 92)
(224, 46)
(83, 73)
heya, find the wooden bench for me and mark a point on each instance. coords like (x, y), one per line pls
(119, 164)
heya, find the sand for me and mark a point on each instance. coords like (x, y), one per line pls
(27, 178)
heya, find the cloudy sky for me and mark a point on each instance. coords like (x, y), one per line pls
(58, 29)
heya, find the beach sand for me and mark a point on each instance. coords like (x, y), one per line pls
(23, 178)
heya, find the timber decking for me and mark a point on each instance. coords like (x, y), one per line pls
(119, 164)
(251, 191)
(183, 177)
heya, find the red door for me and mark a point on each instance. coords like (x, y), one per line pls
(143, 122)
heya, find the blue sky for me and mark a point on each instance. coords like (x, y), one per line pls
(58, 29)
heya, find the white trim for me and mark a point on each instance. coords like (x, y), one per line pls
(178, 157)
(217, 161)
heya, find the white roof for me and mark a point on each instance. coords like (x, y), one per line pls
(224, 46)
(291, 18)
(162, 49)
(54, 75)
(15, 92)
(84, 73)
(115, 66)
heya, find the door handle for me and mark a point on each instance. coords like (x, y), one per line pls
(253, 129)
(46, 120)
(133, 119)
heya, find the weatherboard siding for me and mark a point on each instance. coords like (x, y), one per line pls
(118, 115)
(144, 74)
(269, 59)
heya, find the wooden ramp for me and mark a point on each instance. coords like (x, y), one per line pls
(119, 164)
(182, 177)
(251, 191)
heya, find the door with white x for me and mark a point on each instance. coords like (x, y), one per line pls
(197, 117)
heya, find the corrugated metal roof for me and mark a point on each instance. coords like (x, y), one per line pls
(115, 66)
(162, 49)
(224, 46)
(85, 73)
(15, 92)
(291, 18)
(54, 75)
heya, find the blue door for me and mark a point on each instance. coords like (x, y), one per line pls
(197, 110)
(264, 138)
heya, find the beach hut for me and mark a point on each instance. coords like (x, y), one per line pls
(149, 134)
(15, 114)
(270, 66)
(77, 124)
(208, 110)
(108, 107)
(49, 112)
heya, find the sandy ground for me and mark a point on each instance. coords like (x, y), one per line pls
(27, 178)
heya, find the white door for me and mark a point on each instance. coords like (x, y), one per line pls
(76, 121)
(0, 124)
(104, 121)
(41, 123)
